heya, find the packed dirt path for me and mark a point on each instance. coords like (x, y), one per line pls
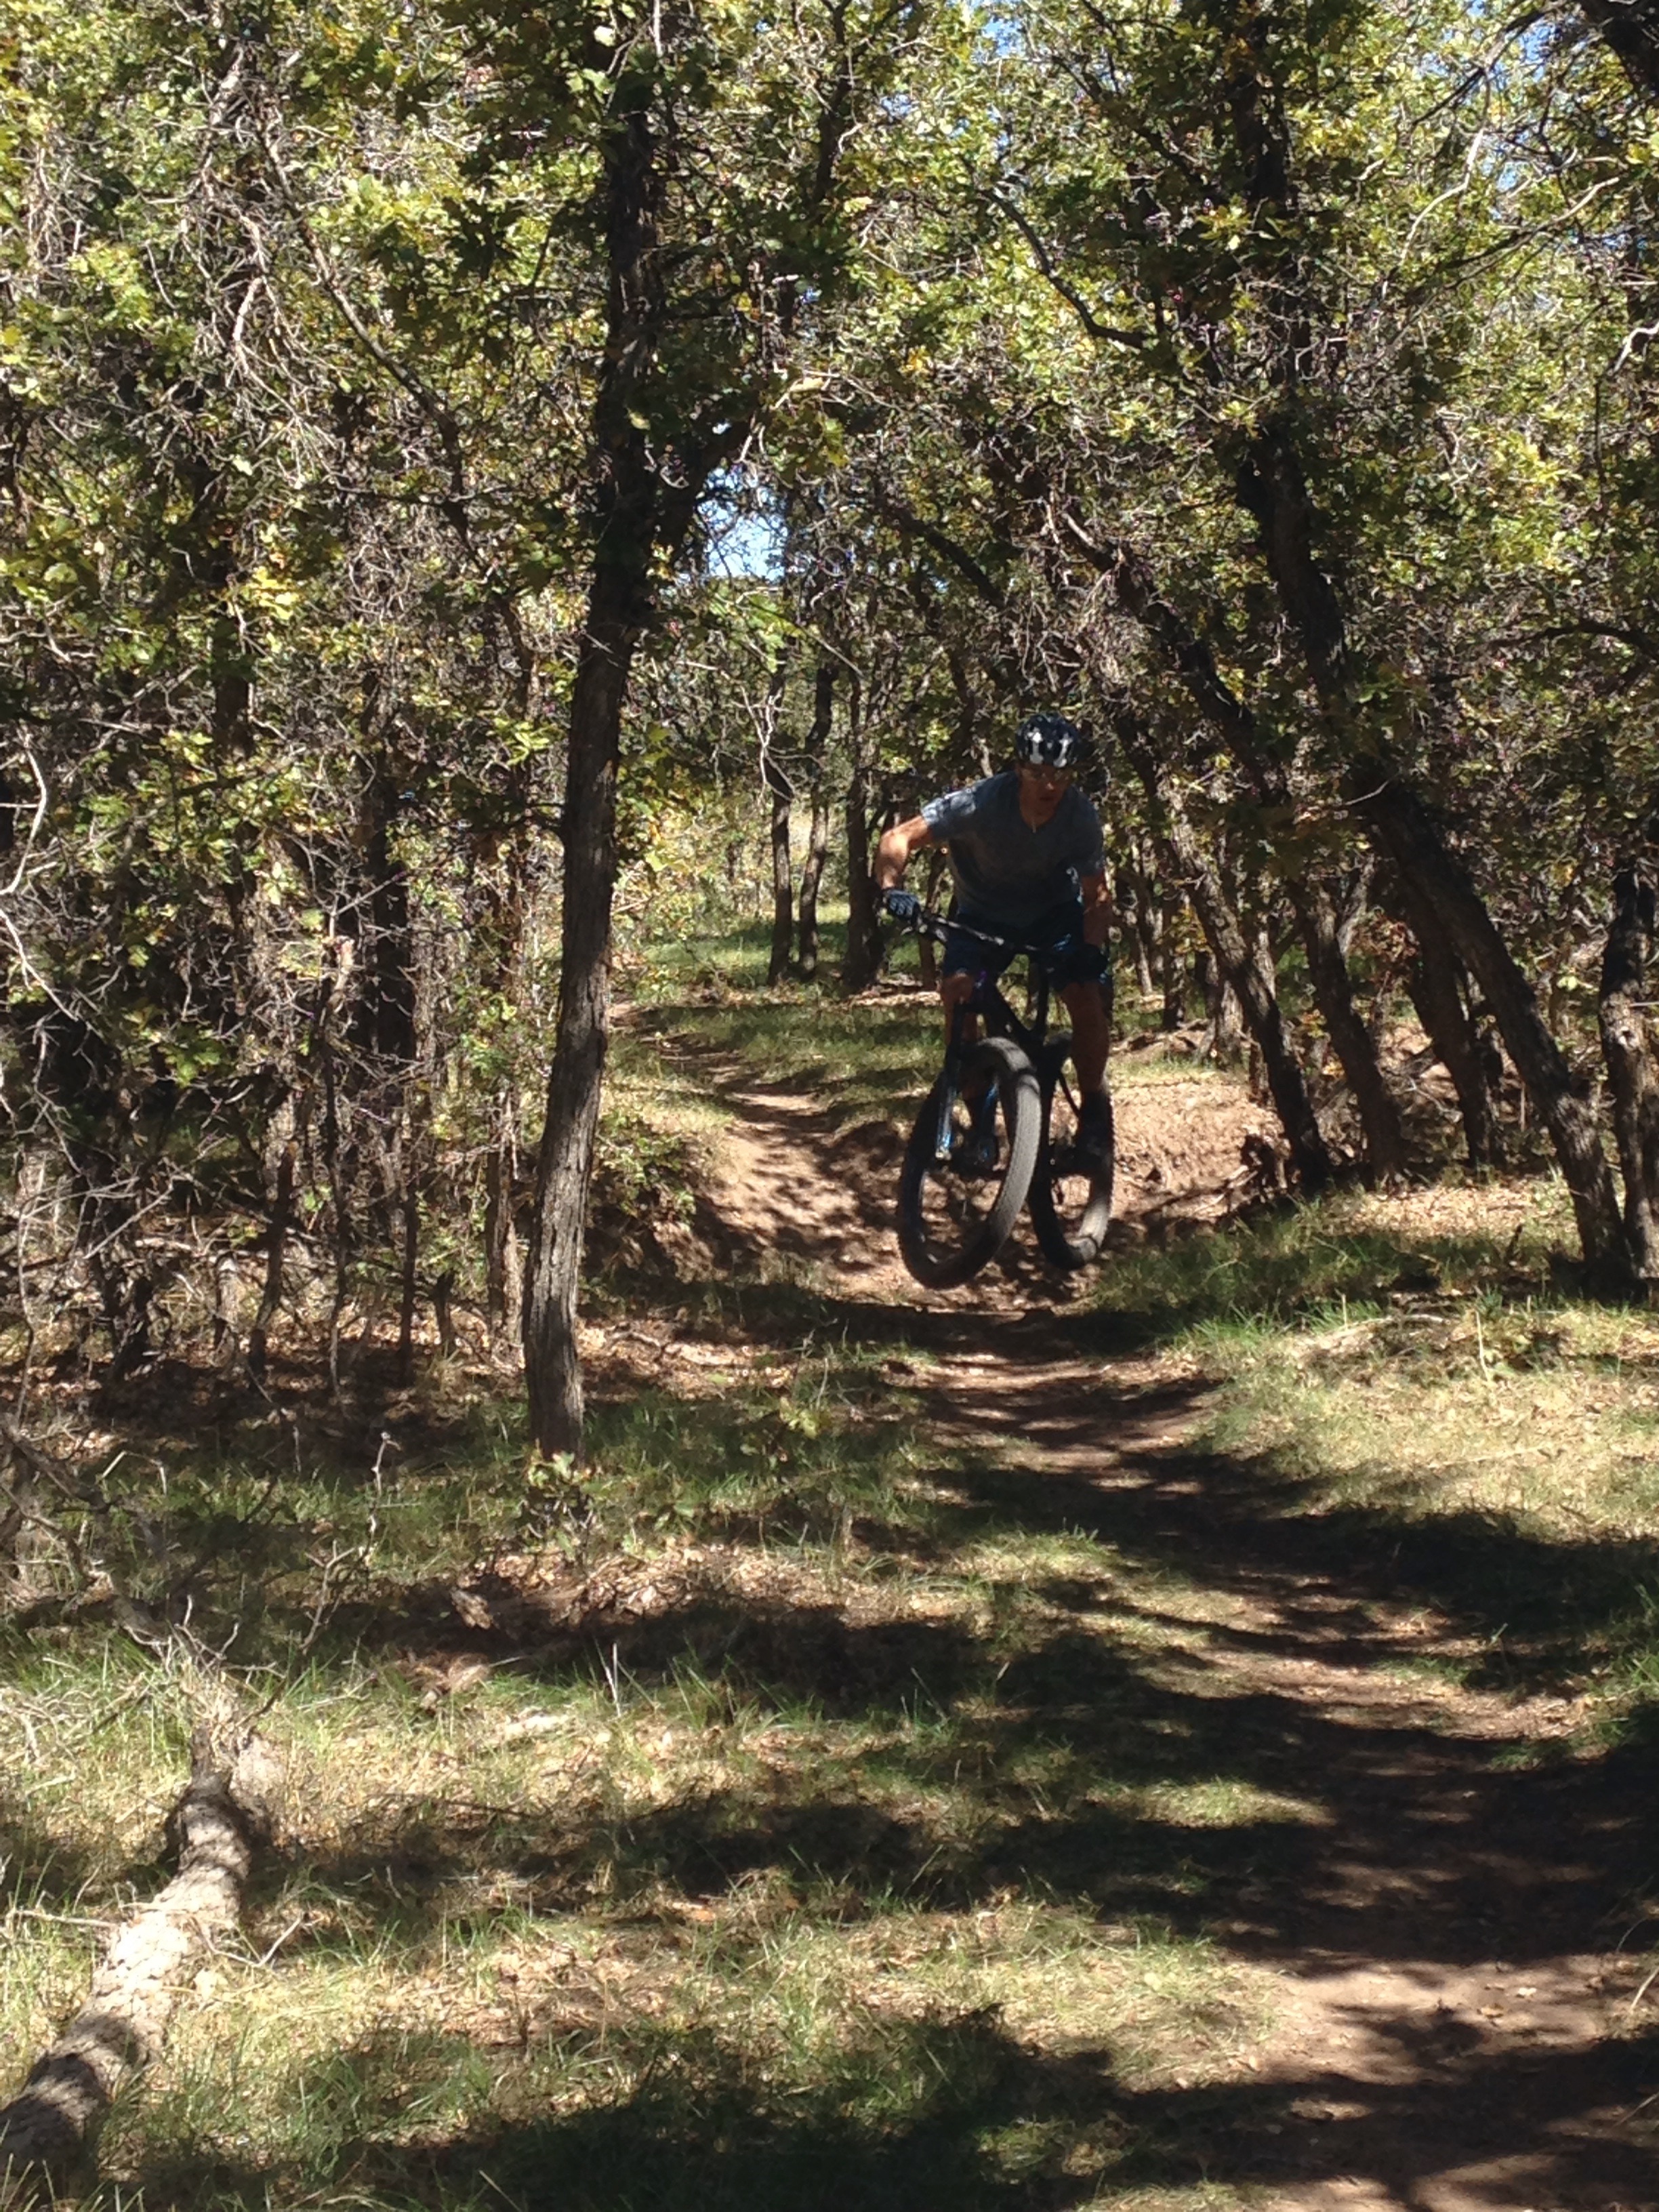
(1457, 2026)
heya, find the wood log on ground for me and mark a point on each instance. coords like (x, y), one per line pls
(229, 1808)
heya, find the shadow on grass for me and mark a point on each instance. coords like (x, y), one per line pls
(1067, 1773)
(944, 2114)
(1142, 1737)
(945, 1764)
(40, 1871)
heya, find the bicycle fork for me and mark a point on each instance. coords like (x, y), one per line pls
(976, 1150)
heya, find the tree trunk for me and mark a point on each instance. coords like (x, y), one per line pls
(1174, 967)
(1431, 978)
(382, 1022)
(282, 1221)
(502, 936)
(552, 1365)
(783, 904)
(503, 1288)
(779, 792)
(859, 967)
(1252, 981)
(1137, 907)
(811, 874)
(1185, 862)
(1626, 1047)
(642, 516)
(1319, 924)
(1452, 905)
(1226, 1024)
(863, 960)
(409, 1270)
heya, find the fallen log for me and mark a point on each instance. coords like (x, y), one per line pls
(229, 1808)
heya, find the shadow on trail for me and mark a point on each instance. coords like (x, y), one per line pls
(936, 2115)
(1137, 1749)
(1158, 1737)
(1537, 1607)
(1054, 1765)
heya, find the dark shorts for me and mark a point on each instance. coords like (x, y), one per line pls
(967, 956)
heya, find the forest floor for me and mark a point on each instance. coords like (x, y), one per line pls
(1182, 1737)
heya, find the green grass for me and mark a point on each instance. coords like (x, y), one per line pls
(729, 1896)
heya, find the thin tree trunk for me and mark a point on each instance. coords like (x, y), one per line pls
(1452, 905)
(783, 904)
(823, 707)
(503, 929)
(552, 1365)
(1137, 907)
(1253, 984)
(779, 792)
(811, 876)
(408, 1272)
(1432, 981)
(1251, 979)
(1627, 1048)
(1173, 965)
(282, 1218)
(859, 969)
(633, 528)
(503, 1288)
(1319, 926)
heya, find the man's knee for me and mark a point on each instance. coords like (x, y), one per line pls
(955, 988)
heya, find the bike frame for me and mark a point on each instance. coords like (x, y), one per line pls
(987, 1003)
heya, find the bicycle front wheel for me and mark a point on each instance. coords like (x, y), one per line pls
(969, 1164)
(1071, 1193)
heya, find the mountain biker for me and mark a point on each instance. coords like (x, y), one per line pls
(1028, 863)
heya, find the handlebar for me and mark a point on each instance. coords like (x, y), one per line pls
(927, 921)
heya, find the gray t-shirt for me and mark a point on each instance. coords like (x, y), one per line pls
(1006, 871)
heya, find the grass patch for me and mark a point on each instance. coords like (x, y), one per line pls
(795, 1869)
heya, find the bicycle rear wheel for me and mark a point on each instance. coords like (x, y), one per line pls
(1071, 1197)
(969, 1164)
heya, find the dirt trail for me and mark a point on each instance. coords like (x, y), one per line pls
(790, 1184)
(1456, 2015)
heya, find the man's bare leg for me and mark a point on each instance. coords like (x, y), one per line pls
(1091, 1035)
(955, 990)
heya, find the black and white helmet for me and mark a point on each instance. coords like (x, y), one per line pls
(1050, 741)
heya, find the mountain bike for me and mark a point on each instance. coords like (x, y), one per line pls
(1000, 1125)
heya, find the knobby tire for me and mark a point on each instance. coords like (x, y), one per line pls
(1071, 1213)
(952, 1225)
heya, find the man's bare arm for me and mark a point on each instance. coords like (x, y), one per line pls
(894, 852)
(1096, 909)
